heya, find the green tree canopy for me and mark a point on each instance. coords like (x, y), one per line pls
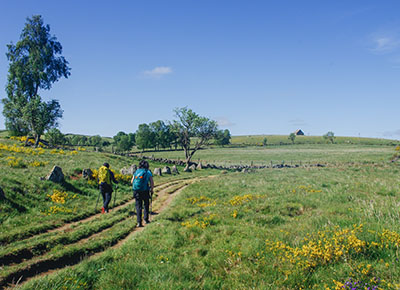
(162, 134)
(188, 125)
(55, 137)
(222, 137)
(35, 63)
(123, 141)
(145, 137)
(330, 136)
(292, 137)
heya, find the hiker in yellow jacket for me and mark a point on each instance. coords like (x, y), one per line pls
(105, 178)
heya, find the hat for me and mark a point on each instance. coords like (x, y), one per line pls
(106, 164)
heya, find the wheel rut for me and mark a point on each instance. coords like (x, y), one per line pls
(45, 264)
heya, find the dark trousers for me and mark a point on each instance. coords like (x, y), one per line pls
(142, 197)
(106, 192)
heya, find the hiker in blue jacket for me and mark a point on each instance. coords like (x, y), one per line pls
(143, 184)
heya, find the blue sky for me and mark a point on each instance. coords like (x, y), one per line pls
(257, 67)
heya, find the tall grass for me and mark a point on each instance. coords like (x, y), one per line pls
(242, 231)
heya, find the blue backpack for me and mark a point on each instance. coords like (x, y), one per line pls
(140, 181)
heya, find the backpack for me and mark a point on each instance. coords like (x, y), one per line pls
(140, 180)
(104, 175)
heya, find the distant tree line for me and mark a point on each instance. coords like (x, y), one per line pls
(54, 137)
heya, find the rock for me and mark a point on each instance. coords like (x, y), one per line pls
(187, 169)
(199, 166)
(56, 175)
(175, 170)
(129, 171)
(2, 195)
(157, 171)
(192, 167)
(87, 173)
(166, 170)
(133, 169)
(245, 170)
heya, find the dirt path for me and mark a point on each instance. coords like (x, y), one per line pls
(43, 266)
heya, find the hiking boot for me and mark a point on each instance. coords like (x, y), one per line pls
(147, 222)
(139, 225)
(102, 210)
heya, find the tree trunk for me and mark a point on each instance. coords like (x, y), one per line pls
(37, 140)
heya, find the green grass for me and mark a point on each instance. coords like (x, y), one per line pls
(240, 212)
(232, 231)
(257, 140)
(27, 196)
(312, 153)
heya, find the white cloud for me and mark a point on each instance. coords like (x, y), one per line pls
(158, 71)
(385, 42)
(224, 122)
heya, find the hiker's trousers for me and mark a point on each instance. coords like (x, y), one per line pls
(142, 197)
(106, 192)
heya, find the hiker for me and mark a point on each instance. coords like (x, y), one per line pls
(143, 184)
(105, 178)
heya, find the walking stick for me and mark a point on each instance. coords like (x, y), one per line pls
(151, 206)
(115, 196)
(97, 202)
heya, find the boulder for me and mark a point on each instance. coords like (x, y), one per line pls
(87, 173)
(192, 167)
(157, 171)
(2, 195)
(166, 170)
(129, 171)
(56, 175)
(187, 169)
(175, 170)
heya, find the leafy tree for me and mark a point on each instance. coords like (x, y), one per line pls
(162, 134)
(83, 140)
(189, 125)
(123, 141)
(145, 137)
(55, 137)
(265, 141)
(132, 138)
(124, 144)
(35, 63)
(95, 141)
(292, 137)
(40, 116)
(105, 143)
(222, 137)
(330, 136)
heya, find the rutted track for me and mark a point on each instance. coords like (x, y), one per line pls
(113, 235)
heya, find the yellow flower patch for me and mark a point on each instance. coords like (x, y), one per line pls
(202, 201)
(240, 199)
(202, 223)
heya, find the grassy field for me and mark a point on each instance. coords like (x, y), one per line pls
(310, 153)
(257, 140)
(300, 228)
(274, 229)
(35, 212)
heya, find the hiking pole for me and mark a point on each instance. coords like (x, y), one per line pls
(97, 202)
(151, 206)
(115, 195)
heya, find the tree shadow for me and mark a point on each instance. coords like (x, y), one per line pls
(69, 187)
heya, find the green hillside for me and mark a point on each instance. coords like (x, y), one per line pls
(283, 139)
(290, 228)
